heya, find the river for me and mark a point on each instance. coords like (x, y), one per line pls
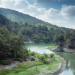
(70, 63)
(69, 57)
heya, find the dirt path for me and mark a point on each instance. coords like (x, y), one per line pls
(60, 68)
(12, 65)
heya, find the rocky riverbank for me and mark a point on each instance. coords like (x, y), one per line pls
(69, 50)
(10, 66)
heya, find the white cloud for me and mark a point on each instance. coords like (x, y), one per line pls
(68, 11)
(62, 17)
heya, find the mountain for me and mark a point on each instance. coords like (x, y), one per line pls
(4, 20)
(22, 18)
(31, 28)
(19, 17)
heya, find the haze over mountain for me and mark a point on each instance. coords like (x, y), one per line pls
(3, 20)
(19, 17)
(57, 12)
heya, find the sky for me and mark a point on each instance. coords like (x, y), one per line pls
(57, 12)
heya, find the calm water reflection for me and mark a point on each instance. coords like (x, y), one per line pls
(42, 49)
(70, 63)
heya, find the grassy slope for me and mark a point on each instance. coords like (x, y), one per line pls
(29, 68)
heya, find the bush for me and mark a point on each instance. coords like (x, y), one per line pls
(45, 59)
(51, 55)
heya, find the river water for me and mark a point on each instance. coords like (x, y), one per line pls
(70, 63)
(69, 57)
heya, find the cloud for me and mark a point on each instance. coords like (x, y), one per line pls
(68, 11)
(62, 17)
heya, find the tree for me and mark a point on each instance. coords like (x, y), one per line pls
(61, 42)
(11, 45)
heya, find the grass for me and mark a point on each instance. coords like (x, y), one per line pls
(30, 68)
(54, 65)
(34, 68)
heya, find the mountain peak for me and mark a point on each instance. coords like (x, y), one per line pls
(19, 17)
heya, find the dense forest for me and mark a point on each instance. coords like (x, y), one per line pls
(39, 32)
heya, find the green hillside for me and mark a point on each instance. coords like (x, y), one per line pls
(32, 29)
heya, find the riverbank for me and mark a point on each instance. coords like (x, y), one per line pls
(66, 50)
(69, 50)
(32, 68)
(61, 67)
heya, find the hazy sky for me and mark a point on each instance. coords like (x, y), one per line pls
(58, 12)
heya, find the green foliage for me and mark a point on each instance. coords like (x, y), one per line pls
(11, 45)
(51, 55)
(44, 58)
(34, 30)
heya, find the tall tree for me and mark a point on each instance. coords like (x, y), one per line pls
(61, 42)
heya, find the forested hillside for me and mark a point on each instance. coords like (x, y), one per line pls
(32, 29)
